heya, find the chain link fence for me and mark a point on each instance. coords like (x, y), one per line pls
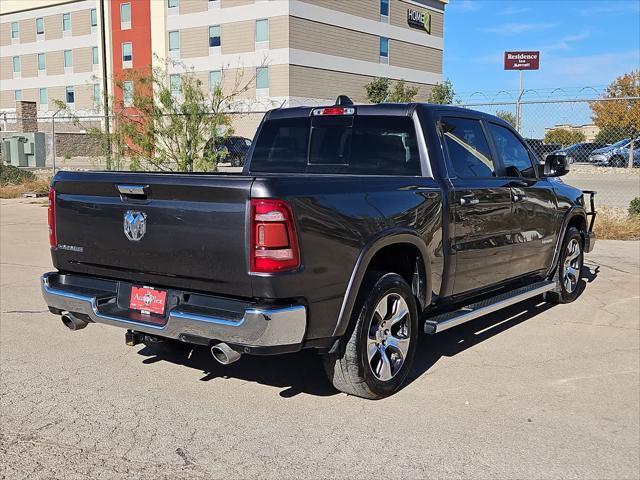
(603, 159)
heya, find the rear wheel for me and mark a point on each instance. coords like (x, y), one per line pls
(617, 161)
(375, 356)
(569, 268)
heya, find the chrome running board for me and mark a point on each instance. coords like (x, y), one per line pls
(448, 320)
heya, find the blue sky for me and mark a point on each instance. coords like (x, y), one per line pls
(582, 43)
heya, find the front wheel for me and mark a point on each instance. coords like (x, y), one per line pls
(569, 268)
(376, 354)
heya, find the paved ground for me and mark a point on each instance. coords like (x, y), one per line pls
(616, 187)
(532, 392)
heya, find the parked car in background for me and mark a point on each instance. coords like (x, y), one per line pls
(601, 156)
(579, 152)
(620, 156)
(542, 149)
(236, 147)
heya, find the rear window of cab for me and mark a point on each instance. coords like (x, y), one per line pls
(334, 144)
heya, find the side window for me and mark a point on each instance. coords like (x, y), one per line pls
(468, 148)
(513, 153)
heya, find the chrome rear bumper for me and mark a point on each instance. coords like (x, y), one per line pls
(253, 326)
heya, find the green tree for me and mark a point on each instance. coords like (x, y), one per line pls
(401, 93)
(621, 114)
(442, 93)
(563, 136)
(507, 116)
(381, 89)
(611, 134)
(377, 90)
(170, 127)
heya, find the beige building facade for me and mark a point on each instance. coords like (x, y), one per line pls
(287, 52)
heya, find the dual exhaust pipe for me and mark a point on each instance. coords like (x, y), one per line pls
(72, 322)
(224, 354)
(221, 352)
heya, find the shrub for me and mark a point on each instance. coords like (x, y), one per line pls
(634, 207)
(10, 175)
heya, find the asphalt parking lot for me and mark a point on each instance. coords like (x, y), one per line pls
(531, 392)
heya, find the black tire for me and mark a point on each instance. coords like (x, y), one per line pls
(617, 161)
(350, 368)
(564, 294)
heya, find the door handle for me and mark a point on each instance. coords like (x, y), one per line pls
(469, 200)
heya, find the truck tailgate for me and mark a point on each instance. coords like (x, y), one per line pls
(194, 235)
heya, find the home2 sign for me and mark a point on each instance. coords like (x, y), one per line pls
(419, 19)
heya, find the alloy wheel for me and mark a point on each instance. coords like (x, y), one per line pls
(389, 337)
(571, 273)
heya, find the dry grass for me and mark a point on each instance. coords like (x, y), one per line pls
(39, 185)
(617, 224)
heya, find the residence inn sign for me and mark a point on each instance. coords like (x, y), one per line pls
(419, 19)
(521, 60)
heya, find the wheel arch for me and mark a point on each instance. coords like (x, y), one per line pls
(372, 256)
(574, 217)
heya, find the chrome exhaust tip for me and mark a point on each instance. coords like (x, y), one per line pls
(72, 322)
(224, 354)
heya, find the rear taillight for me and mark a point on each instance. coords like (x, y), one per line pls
(274, 243)
(51, 218)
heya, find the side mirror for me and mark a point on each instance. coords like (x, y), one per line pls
(556, 165)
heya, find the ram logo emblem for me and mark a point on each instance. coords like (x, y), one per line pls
(135, 225)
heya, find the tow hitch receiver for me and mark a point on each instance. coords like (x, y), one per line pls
(132, 338)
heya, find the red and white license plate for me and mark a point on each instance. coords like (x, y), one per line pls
(148, 300)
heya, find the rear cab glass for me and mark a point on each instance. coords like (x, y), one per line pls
(334, 144)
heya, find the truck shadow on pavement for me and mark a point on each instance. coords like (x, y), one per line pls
(302, 372)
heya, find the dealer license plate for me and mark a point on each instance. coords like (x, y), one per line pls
(148, 300)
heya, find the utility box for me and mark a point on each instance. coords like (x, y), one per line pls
(25, 150)
(35, 149)
(13, 148)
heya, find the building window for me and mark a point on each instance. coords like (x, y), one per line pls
(66, 22)
(214, 36)
(94, 56)
(96, 93)
(69, 95)
(262, 33)
(172, 3)
(17, 95)
(174, 41)
(15, 30)
(125, 16)
(384, 11)
(262, 78)
(68, 59)
(40, 26)
(16, 64)
(215, 77)
(94, 17)
(384, 50)
(42, 62)
(127, 93)
(174, 84)
(213, 4)
(43, 97)
(127, 55)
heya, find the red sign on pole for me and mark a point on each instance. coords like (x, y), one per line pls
(521, 60)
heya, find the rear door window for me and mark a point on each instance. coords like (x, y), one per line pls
(514, 155)
(468, 148)
(348, 144)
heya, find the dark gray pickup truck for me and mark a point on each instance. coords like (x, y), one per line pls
(351, 228)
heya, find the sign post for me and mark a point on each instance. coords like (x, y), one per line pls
(521, 61)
